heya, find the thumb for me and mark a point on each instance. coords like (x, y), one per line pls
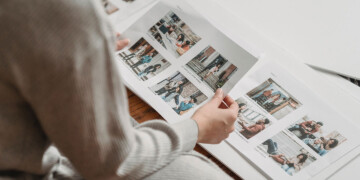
(217, 98)
(121, 44)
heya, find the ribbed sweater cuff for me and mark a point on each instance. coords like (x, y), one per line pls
(188, 133)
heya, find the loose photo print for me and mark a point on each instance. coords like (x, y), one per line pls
(212, 68)
(109, 7)
(174, 34)
(250, 121)
(144, 60)
(286, 153)
(274, 99)
(317, 135)
(179, 93)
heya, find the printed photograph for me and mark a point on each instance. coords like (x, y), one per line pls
(286, 153)
(179, 93)
(212, 68)
(274, 99)
(109, 7)
(144, 60)
(316, 135)
(250, 121)
(174, 34)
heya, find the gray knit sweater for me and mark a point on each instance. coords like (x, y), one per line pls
(59, 84)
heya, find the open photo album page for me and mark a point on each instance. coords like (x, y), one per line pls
(284, 128)
(177, 59)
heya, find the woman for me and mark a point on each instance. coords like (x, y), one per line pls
(150, 69)
(290, 165)
(180, 39)
(182, 48)
(173, 93)
(327, 146)
(211, 71)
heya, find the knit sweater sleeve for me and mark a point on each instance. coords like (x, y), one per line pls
(67, 74)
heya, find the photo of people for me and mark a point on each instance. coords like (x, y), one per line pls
(274, 99)
(144, 60)
(173, 34)
(179, 93)
(212, 68)
(287, 153)
(109, 7)
(316, 135)
(250, 122)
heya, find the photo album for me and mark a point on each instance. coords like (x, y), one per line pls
(177, 59)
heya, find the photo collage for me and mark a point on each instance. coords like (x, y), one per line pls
(293, 148)
(171, 34)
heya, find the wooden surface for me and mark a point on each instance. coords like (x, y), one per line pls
(142, 112)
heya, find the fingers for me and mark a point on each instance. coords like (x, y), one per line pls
(227, 102)
(217, 98)
(120, 44)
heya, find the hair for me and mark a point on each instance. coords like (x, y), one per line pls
(158, 36)
(320, 123)
(182, 37)
(157, 65)
(195, 100)
(304, 157)
(187, 42)
(266, 121)
(334, 144)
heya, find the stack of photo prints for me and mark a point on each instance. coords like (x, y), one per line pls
(177, 60)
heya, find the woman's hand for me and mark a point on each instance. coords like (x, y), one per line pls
(120, 44)
(215, 119)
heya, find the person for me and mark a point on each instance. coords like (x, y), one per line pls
(168, 86)
(173, 93)
(143, 60)
(306, 128)
(137, 53)
(60, 85)
(184, 46)
(271, 146)
(242, 107)
(211, 71)
(148, 70)
(264, 96)
(180, 39)
(290, 165)
(321, 145)
(171, 29)
(252, 130)
(185, 105)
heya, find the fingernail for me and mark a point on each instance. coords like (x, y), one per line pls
(128, 41)
(219, 90)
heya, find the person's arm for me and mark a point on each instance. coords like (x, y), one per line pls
(303, 124)
(67, 73)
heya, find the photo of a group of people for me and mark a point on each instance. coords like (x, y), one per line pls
(316, 135)
(249, 122)
(144, 60)
(211, 67)
(179, 93)
(287, 153)
(274, 99)
(174, 34)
